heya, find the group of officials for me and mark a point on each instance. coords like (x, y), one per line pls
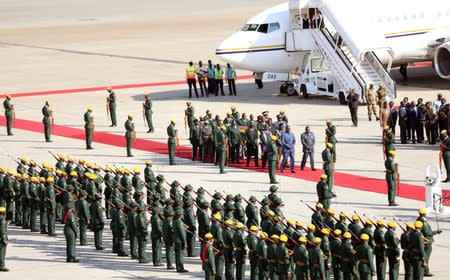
(232, 230)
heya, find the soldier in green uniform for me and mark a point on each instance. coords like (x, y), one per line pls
(189, 221)
(261, 253)
(111, 104)
(16, 203)
(179, 237)
(335, 250)
(342, 223)
(388, 140)
(228, 251)
(380, 250)
(251, 140)
(34, 203)
(330, 133)
(207, 257)
(252, 242)
(172, 141)
(301, 260)
(97, 221)
(9, 114)
(88, 128)
(47, 120)
(271, 256)
(445, 150)
(70, 232)
(324, 194)
(404, 243)
(364, 254)
(316, 260)
(148, 112)
(168, 236)
(392, 251)
(120, 228)
(51, 205)
(150, 180)
(83, 213)
(367, 229)
(239, 213)
(428, 234)
(130, 135)
(156, 235)
(189, 114)
(217, 233)
(325, 247)
(221, 147)
(141, 233)
(251, 211)
(3, 238)
(234, 137)
(328, 165)
(25, 199)
(203, 219)
(283, 258)
(348, 260)
(131, 229)
(391, 177)
(42, 205)
(417, 254)
(272, 156)
(195, 140)
(240, 251)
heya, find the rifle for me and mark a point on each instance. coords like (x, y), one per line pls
(107, 107)
(57, 158)
(134, 137)
(143, 114)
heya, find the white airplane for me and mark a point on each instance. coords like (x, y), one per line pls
(413, 30)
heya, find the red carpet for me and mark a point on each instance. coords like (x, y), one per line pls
(341, 179)
(102, 88)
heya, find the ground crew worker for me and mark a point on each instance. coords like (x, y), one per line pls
(218, 77)
(83, 213)
(283, 258)
(252, 242)
(190, 77)
(364, 254)
(141, 233)
(201, 72)
(323, 192)
(111, 103)
(316, 260)
(301, 259)
(391, 177)
(156, 235)
(348, 257)
(221, 147)
(445, 148)
(371, 99)
(148, 112)
(380, 250)
(330, 133)
(417, 254)
(10, 114)
(231, 76)
(88, 127)
(130, 135)
(428, 234)
(393, 251)
(261, 252)
(47, 120)
(51, 205)
(97, 220)
(207, 257)
(272, 156)
(179, 237)
(404, 243)
(328, 165)
(172, 140)
(3, 239)
(70, 232)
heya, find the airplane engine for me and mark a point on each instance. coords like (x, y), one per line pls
(442, 60)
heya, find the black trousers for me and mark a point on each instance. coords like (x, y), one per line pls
(252, 151)
(305, 158)
(232, 86)
(195, 151)
(219, 85)
(259, 83)
(403, 133)
(354, 115)
(202, 85)
(430, 130)
(210, 86)
(235, 153)
(192, 83)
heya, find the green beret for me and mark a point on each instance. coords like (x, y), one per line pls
(175, 183)
(188, 187)
(273, 188)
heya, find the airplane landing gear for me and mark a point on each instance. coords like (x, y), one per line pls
(404, 71)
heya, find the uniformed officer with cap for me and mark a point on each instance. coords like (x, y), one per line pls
(272, 156)
(130, 134)
(428, 234)
(3, 239)
(323, 192)
(89, 127)
(328, 165)
(391, 177)
(70, 232)
(364, 254)
(172, 141)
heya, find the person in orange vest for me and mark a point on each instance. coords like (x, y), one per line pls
(190, 76)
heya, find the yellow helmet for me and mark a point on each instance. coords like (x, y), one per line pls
(89, 108)
(347, 235)
(364, 237)
(328, 121)
(337, 232)
(217, 216)
(130, 117)
(61, 156)
(229, 222)
(34, 179)
(136, 170)
(148, 162)
(81, 161)
(323, 176)
(283, 238)
(50, 180)
(392, 152)
(331, 211)
(386, 127)
(254, 228)
(263, 235)
(368, 222)
(380, 223)
(311, 227)
(342, 214)
(273, 137)
(174, 122)
(325, 231)
(303, 239)
(299, 224)
(329, 145)
(2, 210)
(208, 236)
(282, 110)
(291, 222)
(392, 224)
(319, 205)
(271, 213)
(239, 225)
(24, 159)
(422, 211)
(18, 175)
(42, 179)
(89, 165)
(317, 240)
(10, 172)
(275, 237)
(355, 217)
(418, 224)
(25, 176)
(73, 173)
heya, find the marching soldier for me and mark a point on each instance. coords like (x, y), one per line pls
(445, 153)
(428, 234)
(207, 257)
(328, 165)
(217, 233)
(354, 228)
(364, 254)
(404, 243)
(391, 177)
(316, 260)
(131, 229)
(301, 259)
(3, 239)
(130, 135)
(34, 203)
(348, 257)
(42, 205)
(393, 251)
(417, 254)
(141, 233)
(97, 221)
(261, 252)
(88, 128)
(335, 250)
(25, 200)
(367, 229)
(240, 252)
(228, 251)
(111, 106)
(172, 141)
(252, 242)
(330, 133)
(189, 220)
(239, 213)
(323, 192)
(179, 236)
(150, 179)
(283, 257)
(47, 120)
(156, 235)
(70, 232)
(10, 114)
(148, 112)
(380, 250)
(272, 154)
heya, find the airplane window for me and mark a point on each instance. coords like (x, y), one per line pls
(263, 28)
(250, 27)
(274, 26)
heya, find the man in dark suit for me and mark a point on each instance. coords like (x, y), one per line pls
(393, 116)
(353, 99)
(402, 121)
(308, 142)
(413, 120)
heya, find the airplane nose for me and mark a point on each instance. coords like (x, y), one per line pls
(233, 47)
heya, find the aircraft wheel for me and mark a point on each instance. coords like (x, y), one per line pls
(341, 97)
(290, 90)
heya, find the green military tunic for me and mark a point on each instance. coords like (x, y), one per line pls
(168, 237)
(89, 129)
(252, 242)
(417, 254)
(392, 253)
(380, 252)
(328, 167)
(391, 179)
(25, 199)
(273, 263)
(171, 142)
(120, 231)
(47, 120)
(324, 194)
(325, 247)
(317, 263)
(156, 235)
(208, 262)
(179, 237)
(129, 135)
(70, 232)
(335, 250)
(221, 149)
(283, 259)
(428, 233)
(150, 180)
(189, 220)
(272, 158)
(141, 234)
(9, 114)
(51, 209)
(262, 264)
(301, 260)
(389, 141)
(82, 208)
(34, 206)
(330, 132)
(217, 233)
(240, 254)
(404, 243)
(111, 100)
(348, 260)
(148, 111)
(366, 268)
(41, 191)
(228, 253)
(98, 223)
(251, 211)
(3, 241)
